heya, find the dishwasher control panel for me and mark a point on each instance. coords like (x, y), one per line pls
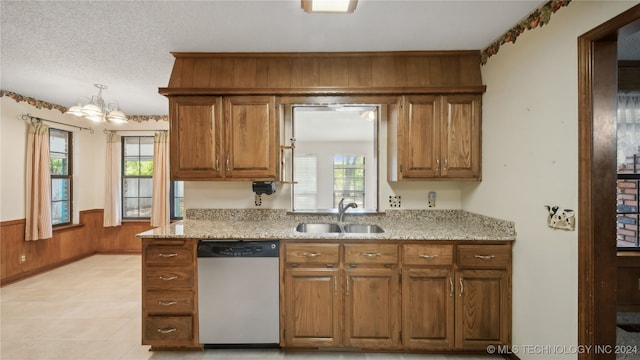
(216, 248)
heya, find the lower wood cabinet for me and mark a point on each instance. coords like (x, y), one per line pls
(380, 296)
(169, 294)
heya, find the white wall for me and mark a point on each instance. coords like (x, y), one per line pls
(88, 153)
(530, 159)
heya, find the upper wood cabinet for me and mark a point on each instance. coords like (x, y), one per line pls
(216, 138)
(436, 137)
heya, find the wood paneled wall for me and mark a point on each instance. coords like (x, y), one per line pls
(66, 245)
(325, 73)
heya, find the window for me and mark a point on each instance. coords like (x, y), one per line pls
(628, 189)
(60, 165)
(137, 180)
(331, 145)
(306, 175)
(348, 179)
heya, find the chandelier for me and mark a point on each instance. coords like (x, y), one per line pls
(98, 110)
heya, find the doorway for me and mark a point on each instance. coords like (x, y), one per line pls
(597, 90)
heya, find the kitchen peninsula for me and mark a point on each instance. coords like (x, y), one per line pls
(434, 280)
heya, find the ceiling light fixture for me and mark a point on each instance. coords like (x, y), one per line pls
(329, 6)
(97, 110)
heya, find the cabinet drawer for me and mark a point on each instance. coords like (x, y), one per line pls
(168, 278)
(169, 302)
(371, 254)
(168, 329)
(168, 255)
(312, 253)
(484, 255)
(427, 254)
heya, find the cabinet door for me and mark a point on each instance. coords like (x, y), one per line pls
(428, 308)
(419, 137)
(482, 308)
(312, 307)
(252, 142)
(461, 137)
(195, 137)
(372, 308)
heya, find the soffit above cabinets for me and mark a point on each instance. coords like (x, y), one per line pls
(325, 73)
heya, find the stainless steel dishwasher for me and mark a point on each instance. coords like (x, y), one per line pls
(238, 293)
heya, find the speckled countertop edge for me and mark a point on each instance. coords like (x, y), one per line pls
(265, 224)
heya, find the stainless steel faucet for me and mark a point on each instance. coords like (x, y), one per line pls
(342, 209)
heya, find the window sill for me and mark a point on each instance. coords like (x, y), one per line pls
(63, 228)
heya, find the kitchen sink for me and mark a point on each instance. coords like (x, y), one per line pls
(318, 228)
(362, 228)
(323, 228)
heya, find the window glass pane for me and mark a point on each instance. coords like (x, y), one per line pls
(627, 234)
(60, 189)
(146, 167)
(145, 207)
(58, 141)
(60, 212)
(348, 179)
(130, 188)
(306, 176)
(130, 207)
(178, 189)
(145, 187)
(628, 196)
(131, 167)
(131, 146)
(146, 147)
(178, 207)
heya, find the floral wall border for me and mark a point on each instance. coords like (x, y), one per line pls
(537, 18)
(39, 104)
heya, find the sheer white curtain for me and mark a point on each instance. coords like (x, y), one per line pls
(628, 125)
(38, 197)
(112, 182)
(160, 195)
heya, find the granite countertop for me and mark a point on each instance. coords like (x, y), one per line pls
(262, 224)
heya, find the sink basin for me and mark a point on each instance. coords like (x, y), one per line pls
(318, 228)
(362, 228)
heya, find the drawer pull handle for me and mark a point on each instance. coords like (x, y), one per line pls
(428, 256)
(370, 254)
(451, 290)
(167, 330)
(485, 257)
(167, 303)
(173, 277)
(312, 254)
(461, 286)
(168, 255)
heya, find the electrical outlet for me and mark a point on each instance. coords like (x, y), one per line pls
(394, 201)
(23, 259)
(258, 200)
(431, 199)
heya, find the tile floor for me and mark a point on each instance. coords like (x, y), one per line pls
(90, 309)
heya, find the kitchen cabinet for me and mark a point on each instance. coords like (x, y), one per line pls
(437, 137)
(223, 138)
(372, 296)
(313, 286)
(461, 305)
(169, 294)
(428, 318)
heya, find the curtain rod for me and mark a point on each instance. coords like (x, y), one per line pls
(37, 119)
(107, 131)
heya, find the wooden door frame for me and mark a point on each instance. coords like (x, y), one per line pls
(597, 89)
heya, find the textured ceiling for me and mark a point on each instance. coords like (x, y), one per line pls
(56, 50)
